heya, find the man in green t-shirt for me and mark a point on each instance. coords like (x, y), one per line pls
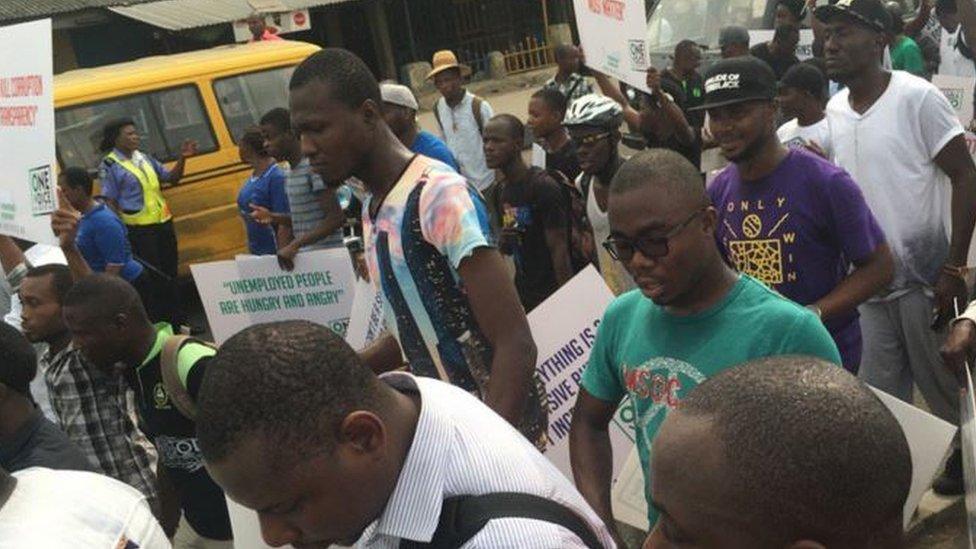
(691, 317)
(905, 53)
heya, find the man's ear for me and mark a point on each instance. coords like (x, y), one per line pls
(371, 111)
(806, 544)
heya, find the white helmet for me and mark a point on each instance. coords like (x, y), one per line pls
(594, 110)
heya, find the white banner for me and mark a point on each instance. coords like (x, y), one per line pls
(28, 183)
(928, 441)
(959, 91)
(613, 33)
(564, 328)
(249, 291)
(366, 321)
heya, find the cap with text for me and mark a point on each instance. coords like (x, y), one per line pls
(738, 80)
(868, 13)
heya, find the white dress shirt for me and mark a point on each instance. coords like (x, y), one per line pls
(461, 447)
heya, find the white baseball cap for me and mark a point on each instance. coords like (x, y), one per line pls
(398, 94)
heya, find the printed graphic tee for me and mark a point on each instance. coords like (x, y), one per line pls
(656, 358)
(798, 230)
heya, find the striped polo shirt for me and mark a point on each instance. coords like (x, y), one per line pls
(461, 447)
(304, 189)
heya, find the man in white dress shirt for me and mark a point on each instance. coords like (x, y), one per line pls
(293, 426)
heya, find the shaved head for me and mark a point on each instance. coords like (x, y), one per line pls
(786, 449)
(665, 170)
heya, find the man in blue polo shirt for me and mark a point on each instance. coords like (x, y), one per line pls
(400, 112)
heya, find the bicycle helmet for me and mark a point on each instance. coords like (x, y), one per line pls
(594, 110)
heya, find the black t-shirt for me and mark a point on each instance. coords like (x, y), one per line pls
(693, 94)
(779, 63)
(564, 160)
(692, 152)
(527, 209)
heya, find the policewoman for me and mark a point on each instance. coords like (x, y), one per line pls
(131, 182)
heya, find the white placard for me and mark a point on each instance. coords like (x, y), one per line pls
(804, 49)
(967, 431)
(564, 328)
(538, 156)
(366, 321)
(613, 33)
(249, 291)
(928, 438)
(959, 91)
(28, 183)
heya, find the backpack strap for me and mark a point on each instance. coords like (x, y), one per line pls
(437, 114)
(476, 103)
(463, 517)
(169, 364)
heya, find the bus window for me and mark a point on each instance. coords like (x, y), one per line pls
(245, 98)
(164, 119)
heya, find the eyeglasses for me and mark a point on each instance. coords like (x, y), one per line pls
(589, 139)
(622, 249)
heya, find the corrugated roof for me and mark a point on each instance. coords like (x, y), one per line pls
(188, 14)
(11, 10)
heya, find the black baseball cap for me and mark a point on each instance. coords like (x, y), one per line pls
(738, 80)
(870, 13)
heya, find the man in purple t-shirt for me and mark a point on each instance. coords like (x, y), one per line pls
(789, 217)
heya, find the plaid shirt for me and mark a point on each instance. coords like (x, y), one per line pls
(94, 410)
(573, 88)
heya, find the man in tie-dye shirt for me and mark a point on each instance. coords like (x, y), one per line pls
(451, 306)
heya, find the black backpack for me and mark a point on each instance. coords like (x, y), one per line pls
(462, 517)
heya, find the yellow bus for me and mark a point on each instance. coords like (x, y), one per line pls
(210, 96)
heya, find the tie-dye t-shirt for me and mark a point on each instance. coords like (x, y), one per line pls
(426, 226)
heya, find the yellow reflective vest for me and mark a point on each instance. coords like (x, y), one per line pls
(154, 207)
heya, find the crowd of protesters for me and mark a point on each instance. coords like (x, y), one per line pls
(826, 254)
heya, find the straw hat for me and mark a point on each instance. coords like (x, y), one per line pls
(445, 59)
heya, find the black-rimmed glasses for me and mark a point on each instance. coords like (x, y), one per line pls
(653, 247)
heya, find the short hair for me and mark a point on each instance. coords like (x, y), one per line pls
(897, 14)
(106, 296)
(78, 178)
(18, 360)
(733, 34)
(685, 46)
(279, 118)
(291, 383)
(790, 427)
(515, 127)
(562, 51)
(61, 278)
(663, 168)
(348, 77)
(806, 77)
(253, 139)
(111, 131)
(553, 98)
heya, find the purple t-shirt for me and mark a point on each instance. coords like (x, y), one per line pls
(798, 230)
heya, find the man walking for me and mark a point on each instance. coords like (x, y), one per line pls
(568, 80)
(787, 216)
(316, 217)
(451, 304)
(400, 112)
(547, 111)
(533, 211)
(461, 116)
(802, 100)
(900, 140)
(692, 317)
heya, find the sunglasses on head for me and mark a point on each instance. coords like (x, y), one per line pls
(622, 249)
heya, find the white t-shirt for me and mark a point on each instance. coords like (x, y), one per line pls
(70, 509)
(951, 60)
(889, 151)
(792, 134)
(614, 273)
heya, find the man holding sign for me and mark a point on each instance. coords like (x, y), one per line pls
(692, 318)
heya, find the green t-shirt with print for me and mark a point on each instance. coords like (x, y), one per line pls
(657, 358)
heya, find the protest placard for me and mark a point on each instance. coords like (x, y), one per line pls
(967, 430)
(613, 33)
(564, 328)
(240, 293)
(28, 182)
(959, 91)
(804, 48)
(928, 441)
(366, 318)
